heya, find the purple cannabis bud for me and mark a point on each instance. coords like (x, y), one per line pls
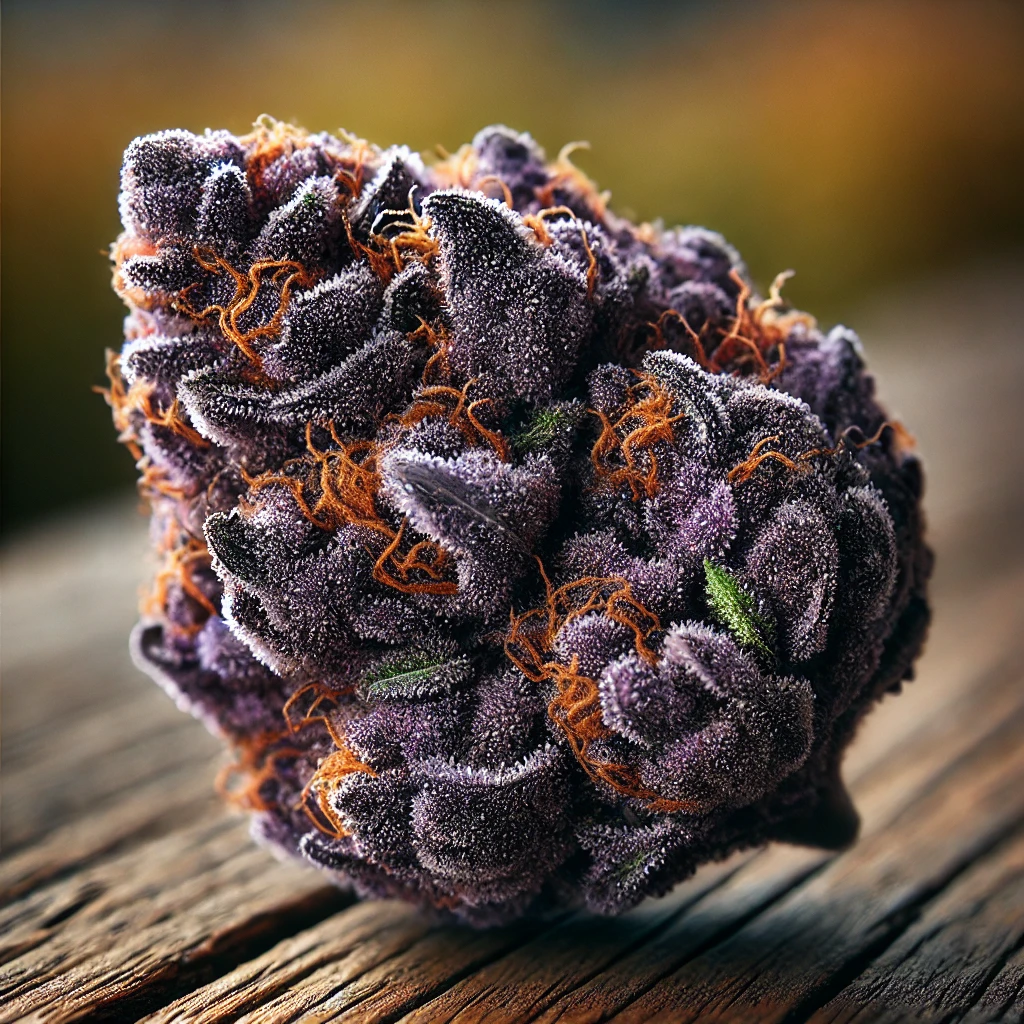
(522, 555)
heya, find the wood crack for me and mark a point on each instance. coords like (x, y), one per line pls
(890, 929)
(997, 968)
(703, 947)
(200, 966)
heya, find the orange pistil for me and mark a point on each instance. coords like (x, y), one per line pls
(388, 256)
(288, 273)
(591, 264)
(340, 485)
(240, 782)
(257, 762)
(493, 179)
(124, 402)
(121, 403)
(126, 246)
(759, 453)
(329, 774)
(413, 561)
(322, 694)
(183, 556)
(346, 480)
(757, 332)
(154, 481)
(435, 401)
(336, 766)
(564, 173)
(171, 419)
(437, 366)
(658, 328)
(576, 707)
(622, 453)
(268, 142)
(272, 140)
(536, 224)
(415, 243)
(535, 221)
(139, 398)
(352, 169)
(458, 168)
(745, 470)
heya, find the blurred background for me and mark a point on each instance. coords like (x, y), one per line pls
(875, 147)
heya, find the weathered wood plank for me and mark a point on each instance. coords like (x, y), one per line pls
(769, 877)
(635, 974)
(1003, 1001)
(91, 747)
(103, 761)
(775, 967)
(393, 984)
(978, 625)
(556, 966)
(128, 923)
(344, 947)
(177, 799)
(942, 964)
(446, 950)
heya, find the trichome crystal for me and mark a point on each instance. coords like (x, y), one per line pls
(523, 556)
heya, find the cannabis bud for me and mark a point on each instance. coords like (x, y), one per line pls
(521, 554)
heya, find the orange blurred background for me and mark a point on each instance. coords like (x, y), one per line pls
(866, 145)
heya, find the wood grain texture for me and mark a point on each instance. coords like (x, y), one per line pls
(127, 892)
(950, 953)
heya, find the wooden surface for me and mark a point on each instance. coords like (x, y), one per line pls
(128, 893)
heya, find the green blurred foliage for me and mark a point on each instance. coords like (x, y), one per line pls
(861, 144)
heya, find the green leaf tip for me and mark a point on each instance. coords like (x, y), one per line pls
(733, 608)
(401, 675)
(541, 431)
